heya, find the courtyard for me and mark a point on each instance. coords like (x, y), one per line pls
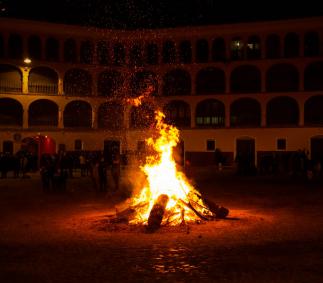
(274, 233)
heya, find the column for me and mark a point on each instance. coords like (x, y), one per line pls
(60, 85)
(263, 114)
(301, 113)
(60, 118)
(193, 114)
(25, 74)
(227, 114)
(94, 117)
(301, 78)
(263, 79)
(25, 118)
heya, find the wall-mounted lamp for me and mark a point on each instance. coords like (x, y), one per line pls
(27, 60)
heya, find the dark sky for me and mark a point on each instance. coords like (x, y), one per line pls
(132, 14)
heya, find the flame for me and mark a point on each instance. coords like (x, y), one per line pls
(164, 178)
(135, 101)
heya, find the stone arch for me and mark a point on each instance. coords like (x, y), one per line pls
(78, 114)
(245, 112)
(282, 111)
(43, 112)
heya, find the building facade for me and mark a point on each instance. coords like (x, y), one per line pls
(252, 88)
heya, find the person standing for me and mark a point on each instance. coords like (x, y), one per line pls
(116, 170)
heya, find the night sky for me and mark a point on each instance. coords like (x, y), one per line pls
(132, 14)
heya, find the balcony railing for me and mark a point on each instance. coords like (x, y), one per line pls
(10, 86)
(43, 88)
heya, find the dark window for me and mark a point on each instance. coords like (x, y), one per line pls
(185, 52)
(86, 52)
(7, 147)
(61, 147)
(281, 144)
(273, 46)
(169, 52)
(103, 53)
(237, 48)
(152, 54)
(202, 51)
(78, 145)
(119, 55)
(210, 145)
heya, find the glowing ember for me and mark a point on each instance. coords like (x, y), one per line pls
(185, 203)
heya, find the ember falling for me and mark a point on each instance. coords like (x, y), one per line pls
(163, 177)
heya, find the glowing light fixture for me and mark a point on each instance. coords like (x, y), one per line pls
(27, 60)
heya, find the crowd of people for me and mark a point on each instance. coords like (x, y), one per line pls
(297, 164)
(56, 169)
(19, 164)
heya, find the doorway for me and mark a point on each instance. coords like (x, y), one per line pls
(111, 147)
(245, 156)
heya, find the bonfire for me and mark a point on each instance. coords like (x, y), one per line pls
(168, 198)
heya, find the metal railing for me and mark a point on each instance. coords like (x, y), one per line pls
(10, 86)
(43, 88)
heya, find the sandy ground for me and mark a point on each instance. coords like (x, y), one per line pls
(274, 234)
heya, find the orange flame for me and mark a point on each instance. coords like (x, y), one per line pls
(164, 178)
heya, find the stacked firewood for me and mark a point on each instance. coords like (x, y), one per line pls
(158, 213)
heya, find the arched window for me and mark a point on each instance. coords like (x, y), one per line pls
(291, 45)
(34, 47)
(313, 114)
(210, 113)
(202, 51)
(10, 79)
(237, 49)
(110, 116)
(78, 114)
(273, 47)
(144, 83)
(86, 52)
(178, 113)
(313, 76)
(210, 80)
(43, 112)
(185, 52)
(110, 83)
(142, 117)
(282, 111)
(169, 52)
(245, 79)
(136, 58)
(245, 112)
(218, 50)
(77, 82)
(119, 55)
(70, 54)
(253, 47)
(177, 82)
(43, 80)
(52, 49)
(2, 49)
(152, 54)
(15, 49)
(282, 77)
(311, 44)
(10, 112)
(103, 53)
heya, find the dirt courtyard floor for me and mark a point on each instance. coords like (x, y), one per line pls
(274, 233)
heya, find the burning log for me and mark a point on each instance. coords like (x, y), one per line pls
(127, 214)
(157, 213)
(189, 205)
(219, 211)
